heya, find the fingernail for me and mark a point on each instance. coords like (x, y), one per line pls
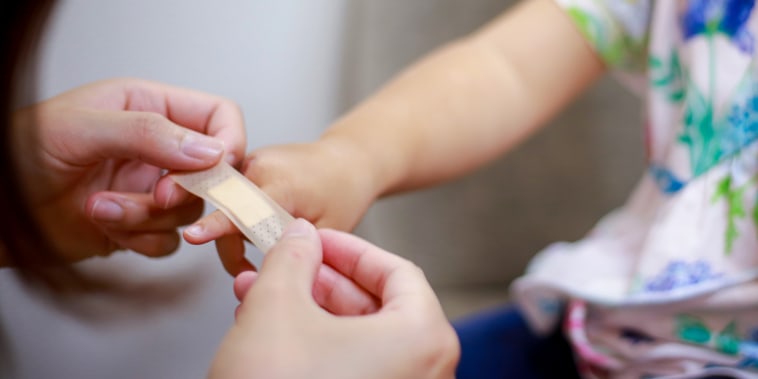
(194, 230)
(169, 196)
(298, 228)
(107, 210)
(202, 147)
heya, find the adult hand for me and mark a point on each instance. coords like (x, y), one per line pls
(92, 162)
(325, 182)
(282, 332)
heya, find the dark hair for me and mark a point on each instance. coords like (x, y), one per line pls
(20, 236)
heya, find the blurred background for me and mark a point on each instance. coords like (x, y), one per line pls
(294, 66)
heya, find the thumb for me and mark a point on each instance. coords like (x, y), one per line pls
(147, 136)
(292, 263)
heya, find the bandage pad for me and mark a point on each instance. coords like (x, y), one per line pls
(255, 214)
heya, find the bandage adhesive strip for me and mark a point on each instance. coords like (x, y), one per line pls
(255, 214)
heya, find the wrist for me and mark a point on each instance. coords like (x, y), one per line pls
(370, 150)
(358, 164)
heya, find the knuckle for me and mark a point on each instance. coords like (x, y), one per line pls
(416, 269)
(440, 348)
(146, 125)
(233, 105)
(124, 82)
(412, 269)
(228, 105)
(267, 160)
(447, 353)
(254, 165)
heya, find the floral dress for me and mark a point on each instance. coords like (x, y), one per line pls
(667, 285)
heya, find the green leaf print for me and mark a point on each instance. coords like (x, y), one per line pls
(735, 208)
(728, 342)
(694, 330)
(667, 76)
(691, 329)
(722, 188)
(700, 132)
(596, 32)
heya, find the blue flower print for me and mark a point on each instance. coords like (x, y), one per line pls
(665, 179)
(679, 274)
(740, 127)
(727, 17)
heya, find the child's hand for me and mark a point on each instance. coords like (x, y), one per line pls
(455, 110)
(323, 182)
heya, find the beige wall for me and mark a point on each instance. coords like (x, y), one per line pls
(482, 229)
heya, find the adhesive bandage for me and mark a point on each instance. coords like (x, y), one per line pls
(258, 217)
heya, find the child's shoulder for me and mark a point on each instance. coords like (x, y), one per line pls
(618, 30)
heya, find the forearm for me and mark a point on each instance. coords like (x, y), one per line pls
(471, 100)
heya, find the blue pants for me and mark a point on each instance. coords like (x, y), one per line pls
(499, 344)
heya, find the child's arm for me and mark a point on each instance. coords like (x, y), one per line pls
(451, 112)
(471, 100)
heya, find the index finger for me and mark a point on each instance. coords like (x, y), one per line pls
(205, 113)
(209, 114)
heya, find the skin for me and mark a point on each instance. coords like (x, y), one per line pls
(456, 109)
(113, 140)
(93, 158)
(450, 113)
(326, 304)
(282, 332)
